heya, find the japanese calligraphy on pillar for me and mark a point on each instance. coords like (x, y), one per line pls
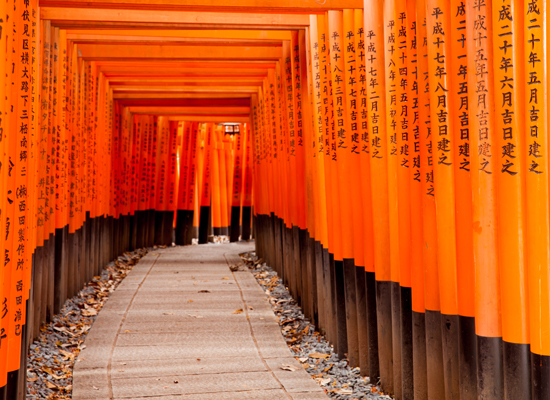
(480, 103)
(376, 123)
(459, 71)
(426, 153)
(404, 104)
(392, 79)
(326, 87)
(361, 75)
(413, 94)
(507, 95)
(290, 106)
(439, 85)
(317, 99)
(353, 89)
(535, 91)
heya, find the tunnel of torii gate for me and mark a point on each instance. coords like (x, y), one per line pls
(390, 159)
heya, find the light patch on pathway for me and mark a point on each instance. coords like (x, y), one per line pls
(183, 326)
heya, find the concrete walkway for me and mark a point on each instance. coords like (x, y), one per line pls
(173, 330)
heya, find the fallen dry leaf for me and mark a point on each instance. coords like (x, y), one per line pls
(288, 367)
(225, 278)
(239, 311)
(319, 355)
(51, 385)
(89, 312)
(323, 381)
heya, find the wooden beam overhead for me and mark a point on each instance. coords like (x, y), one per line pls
(166, 65)
(133, 19)
(147, 84)
(203, 118)
(189, 89)
(191, 33)
(95, 52)
(149, 40)
(242, 111)
(129, 69)
(186, 102)
(217, 76)
(178, 81)
(164, 96)
(250, 6)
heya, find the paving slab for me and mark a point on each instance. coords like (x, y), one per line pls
(160, 337)
(186, 366)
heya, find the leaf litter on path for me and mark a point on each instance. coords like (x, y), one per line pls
(52, 356)
(310, 348)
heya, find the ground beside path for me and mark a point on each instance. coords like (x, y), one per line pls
(183, 326)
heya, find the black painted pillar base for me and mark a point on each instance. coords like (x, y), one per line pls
(419, 356)
(297, 275)
(140, 234)
(517, 371)
(351, 311)
(235, 228)
(340, 296)
(312, 279)
(168, 228)
(467, 358)
(159, 225)
(384, 327)
(204, 222)
(247, 219)
(372, 325)
(37, 289)
(50, 282)
(362, 320)
(396, 339)
(540, 371)
(434, 355)
(490, 372)
(329, 299)
(407, 369)
(151, 223)
(134, 231)
(322, 295)
(184, 223)
(61, 268)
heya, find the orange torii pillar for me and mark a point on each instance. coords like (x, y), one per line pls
(206, 185)
(237, 186)
(216, 156)
(187, 170)
(247, 186)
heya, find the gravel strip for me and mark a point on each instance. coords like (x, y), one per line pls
(52, 356)
(308, 346)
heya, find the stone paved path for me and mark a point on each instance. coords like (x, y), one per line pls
(170, 331)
